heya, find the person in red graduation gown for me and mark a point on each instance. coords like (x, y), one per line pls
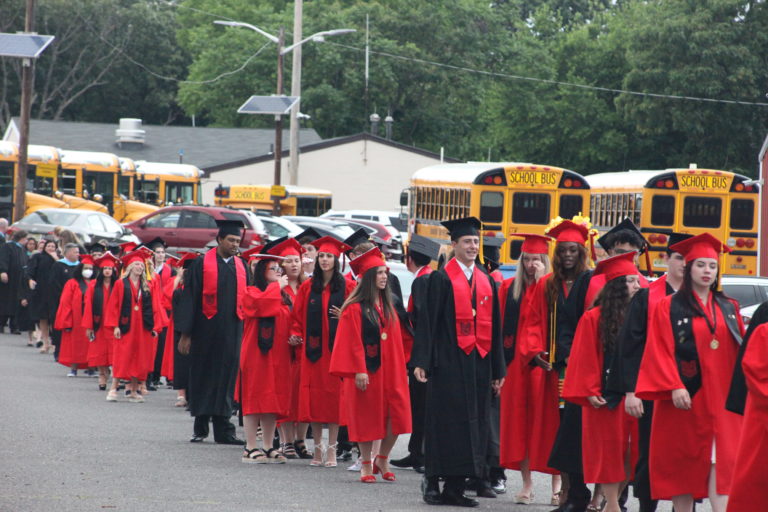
(163, 272)
(102, 338)
(69, 318)
(692, 343)
(749, 491)
(523, 412)
(609, 434)
(263, 390)
(314, 323)
(369, 357)
(133, 313)
(556, 305)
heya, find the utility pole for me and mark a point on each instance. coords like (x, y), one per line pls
(279, 119)
(296, 91)
(27, 76)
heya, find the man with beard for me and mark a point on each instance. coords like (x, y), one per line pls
(458, 352)
(210, 321)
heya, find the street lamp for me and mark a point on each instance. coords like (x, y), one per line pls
(281, 51)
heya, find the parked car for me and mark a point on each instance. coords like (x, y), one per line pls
(88, 225)
(329, 227)
(193, 227)
(394, 247)
(749, 291)
(405, 277)
(393, 221)
(278, 227)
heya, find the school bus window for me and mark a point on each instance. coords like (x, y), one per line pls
(124, 186)
(491, 206)
(37, 183)
(514, 249)
(528, 208)
(6, 182)
(570, 205)
(702, 212)
(742, 213)
(67, 180)
(663, 210)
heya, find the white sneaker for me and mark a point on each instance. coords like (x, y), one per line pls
(357, 465)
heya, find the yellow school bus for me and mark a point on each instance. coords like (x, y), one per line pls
(164, 184)
(125, 207)
(90, 176)
(508, 198)
(310, 202)
(690, 201)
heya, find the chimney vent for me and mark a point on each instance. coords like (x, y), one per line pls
(130, 133)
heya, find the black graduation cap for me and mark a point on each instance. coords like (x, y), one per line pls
(115, 249)
(96, 247)
(675, 238)
(607, 240)
(308, 235)
(425, 246)
(380, 241)
(229, 227)
(493, 241)
(462, 227)
(152, 244)
(273, 244)
(491, 266)
(358, 237)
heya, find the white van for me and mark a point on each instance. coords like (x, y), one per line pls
(391, 220)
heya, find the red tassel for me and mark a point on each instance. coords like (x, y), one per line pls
(648, 263)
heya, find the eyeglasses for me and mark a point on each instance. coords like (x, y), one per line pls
(274, 269)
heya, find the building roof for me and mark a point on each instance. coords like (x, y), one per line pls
(203, 147)
(328, 143)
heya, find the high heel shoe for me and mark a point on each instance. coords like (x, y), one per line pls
(389, 476)
(319, 452)
(366, 479)
(330, 456)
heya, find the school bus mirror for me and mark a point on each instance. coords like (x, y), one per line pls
(404, 198)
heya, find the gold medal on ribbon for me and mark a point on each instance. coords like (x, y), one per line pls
(136, 307)
(714, 344)
(384, 336)
(474, 312)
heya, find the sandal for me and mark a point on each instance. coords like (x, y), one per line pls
(388, 476)
(330, 456)
(556, 498)
(301, 450)
(254, 456)
(366, 479)
(289, 451)
(527, 499)
(112, 396)
(274, 456)
(180, 402)
(319, 459)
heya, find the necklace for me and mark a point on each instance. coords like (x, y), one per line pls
(712, 326)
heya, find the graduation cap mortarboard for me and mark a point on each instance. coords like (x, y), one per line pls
(467, 226)
(331, 245)
(534, 244)
(616, 266)
(128, 246)
(358, 237)
(87, 259)
(96, 247)
(172, 260)
(675, 238)
(186, 259)
(425, 246)
(155, 242)
(370, 259)
(108, 260)
(284, 247)
(607, 241)
(133, 256)
(229, 227)
(569, 231)
(307, 236)
(493, 241)
(700, 246)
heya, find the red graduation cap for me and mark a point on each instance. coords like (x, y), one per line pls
(141, 254)
(366, 261)
(617, 266)
(289, 247)
(534, 244)
(86, 259)
(184, 258)
(128, 246)
(331, 245)
(172, 260)
(569, 231)
(700, 246)
(107, 260)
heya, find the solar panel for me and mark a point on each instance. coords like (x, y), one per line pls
(26, 46)
(268, 105)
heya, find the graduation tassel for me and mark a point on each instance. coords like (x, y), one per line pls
(648, 265)
(552, 333)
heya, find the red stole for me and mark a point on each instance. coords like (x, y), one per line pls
(211, 284)
(471, 330)
(423, 271)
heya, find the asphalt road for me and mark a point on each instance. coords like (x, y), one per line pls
(64, 448)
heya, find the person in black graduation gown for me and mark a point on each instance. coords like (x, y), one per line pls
(421, 251)
(625, 365)
(39, 271)
(61, 272)
(13, 281)
(458, 352)
(210, 321)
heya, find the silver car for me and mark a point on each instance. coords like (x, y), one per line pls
(88, 225)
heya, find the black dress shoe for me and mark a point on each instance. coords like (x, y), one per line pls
(430, 491)
(151, 387)
(231, 440)
(570, 507)
(197, 438)
(485, 492)
(451, 497)
(405, 462)
(419, 469)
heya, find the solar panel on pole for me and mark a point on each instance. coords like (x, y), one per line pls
(23, 46)
(268, 105)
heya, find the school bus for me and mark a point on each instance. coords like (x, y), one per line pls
(309, 202)
(125, 207)
(508, 198)
(164, 184)
(690, 201)
(90, 176)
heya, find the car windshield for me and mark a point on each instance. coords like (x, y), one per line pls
(50, 217)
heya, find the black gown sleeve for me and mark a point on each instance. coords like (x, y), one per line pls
(568, 319)
(498, 363)
(5, 258)
(737, 393)
(630, 345)
(190, 298)
(423, 354)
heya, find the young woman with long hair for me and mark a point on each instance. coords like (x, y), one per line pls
(521, 404)
(314, 322)
(369, 357)
(69, 318)
(609, 434)
(101, 337)
(134, 315)
(39, 271)
(264, 358)
(693, 338)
